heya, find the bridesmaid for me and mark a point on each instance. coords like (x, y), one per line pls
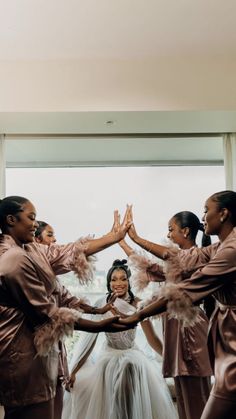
(215, 275)
(188, 361)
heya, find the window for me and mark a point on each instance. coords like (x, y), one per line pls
(80, 201)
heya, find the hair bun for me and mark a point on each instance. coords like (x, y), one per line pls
(119, 262)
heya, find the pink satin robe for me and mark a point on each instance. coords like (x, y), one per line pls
(29, 297)
(218, 277)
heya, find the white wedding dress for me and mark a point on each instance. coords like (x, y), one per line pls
(123, 383)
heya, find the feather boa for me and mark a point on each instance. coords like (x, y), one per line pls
(179, 304)
(60, 325)
(141, 265)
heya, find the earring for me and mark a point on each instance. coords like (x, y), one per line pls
(222, 220)
(185, 236)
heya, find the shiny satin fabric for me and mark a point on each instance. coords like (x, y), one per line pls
(29, 296)
(218, 277)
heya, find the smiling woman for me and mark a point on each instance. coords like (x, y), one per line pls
(123, 382)
(36, 311)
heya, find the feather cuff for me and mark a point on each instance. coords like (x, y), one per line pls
(179, 304)
(84, 267)
(141, 264)
(60, 325)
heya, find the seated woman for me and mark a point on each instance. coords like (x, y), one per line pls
(123, 382)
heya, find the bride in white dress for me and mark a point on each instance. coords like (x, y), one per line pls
(123, 383)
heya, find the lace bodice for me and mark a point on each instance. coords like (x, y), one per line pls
(121, 340)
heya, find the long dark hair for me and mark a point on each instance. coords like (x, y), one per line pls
(117, 265)
(11, 205)
(190, 220)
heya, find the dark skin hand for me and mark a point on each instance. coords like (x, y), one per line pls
(157, 307)
(100, 310)
(107, 325)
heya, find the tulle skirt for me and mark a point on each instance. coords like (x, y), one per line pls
(122, 384)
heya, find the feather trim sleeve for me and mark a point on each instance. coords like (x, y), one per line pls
(179, 304)
(145, 270)
(61, 324)
(84, 267)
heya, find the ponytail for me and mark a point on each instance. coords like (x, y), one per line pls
(206, 240)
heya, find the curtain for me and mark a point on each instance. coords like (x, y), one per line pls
(2, 167)
(229, 146)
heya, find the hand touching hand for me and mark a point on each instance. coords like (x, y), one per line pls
(132, 231)
(121, 228)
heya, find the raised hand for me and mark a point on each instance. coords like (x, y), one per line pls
(109, 306)
(132, 231)
(116, 223)
(121, 228)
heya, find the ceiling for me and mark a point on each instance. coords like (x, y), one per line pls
(69, 66)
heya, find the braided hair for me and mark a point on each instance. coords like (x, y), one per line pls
(119, 265)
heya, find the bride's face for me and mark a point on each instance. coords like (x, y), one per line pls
(119, 282)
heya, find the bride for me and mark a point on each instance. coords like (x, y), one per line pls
(123, 383)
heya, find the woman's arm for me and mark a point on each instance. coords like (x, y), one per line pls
(152, 337)
(66, 299)
(127, 249)
(157, 307)
(106, 325)
(76, 368)
(116, 234)
(153, 248)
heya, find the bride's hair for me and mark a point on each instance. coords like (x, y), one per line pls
(117, 265)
